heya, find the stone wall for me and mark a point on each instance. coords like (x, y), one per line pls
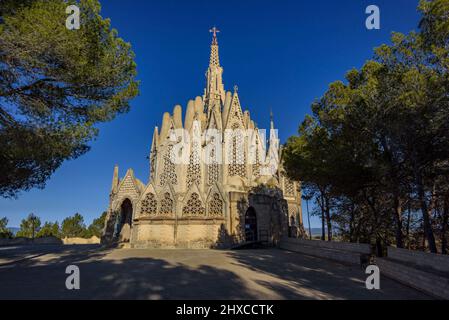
(343, 252)
(426, 272)
(48, 240)
(176, 234)
(76, 240)
(433, 284)
(423, 259)
(27, 241)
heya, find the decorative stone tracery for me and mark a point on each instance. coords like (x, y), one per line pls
(194, 206)
(194, 168)
(166, 208)
(237, 166)
(215, 205)
(168, 174)
(289, 188)
(149, 205)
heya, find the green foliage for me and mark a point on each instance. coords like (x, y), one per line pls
(379, 142)
(55, 86)
(96, 228)
(73, 226)
(49, 230)
(4, 232)
(29, 226)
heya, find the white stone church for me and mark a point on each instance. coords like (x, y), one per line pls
(240, 196)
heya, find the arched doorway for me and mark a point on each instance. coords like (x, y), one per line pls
(251, 225)
(125, 221)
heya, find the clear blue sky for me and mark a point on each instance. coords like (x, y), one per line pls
(281, 54)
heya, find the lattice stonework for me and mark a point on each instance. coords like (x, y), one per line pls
(289, 188)
(166, 208)
(213, 171)
(214, 60)
(256, 165)
(194, 206)
(292, 212)
(149, 205)
(212, 168)
(153, 166)
(194, 169)
(237, 166)
(215, 205)
(168, 175)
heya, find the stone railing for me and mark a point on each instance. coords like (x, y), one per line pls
(426, 272)
(435, 285)
(422, 259)
(47, 240)
(24, 241)
(344, 252)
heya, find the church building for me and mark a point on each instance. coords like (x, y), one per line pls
(240, 195)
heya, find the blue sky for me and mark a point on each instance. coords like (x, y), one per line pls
(281, 54)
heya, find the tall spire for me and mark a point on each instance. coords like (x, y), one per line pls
(115, 180)
(214, 93)
(214, 57)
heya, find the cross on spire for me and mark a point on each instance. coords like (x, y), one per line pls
(214, 30)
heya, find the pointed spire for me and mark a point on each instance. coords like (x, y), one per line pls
(235, 113)
(273, 149)
(165, 128)
(155, 141)
(227, 107)
(214, 90)
(214, 58)
(115, 180)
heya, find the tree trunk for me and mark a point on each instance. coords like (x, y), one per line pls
(308, 220)
(323, 231)
(328, 219)
(428, 232)
(351, 224)
(398, 219)
(409, 215)
(445, 225)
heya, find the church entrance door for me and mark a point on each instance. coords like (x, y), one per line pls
(125, 222)
(251, 225)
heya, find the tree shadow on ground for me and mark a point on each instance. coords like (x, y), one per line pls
(12, 254)
(279, 273)
(315, 278)
(129, 278)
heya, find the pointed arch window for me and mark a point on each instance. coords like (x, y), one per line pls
(149, 205)
(166, 208)
(215, 205)
(194, 206)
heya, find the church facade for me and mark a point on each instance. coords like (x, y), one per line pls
(212, 180)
